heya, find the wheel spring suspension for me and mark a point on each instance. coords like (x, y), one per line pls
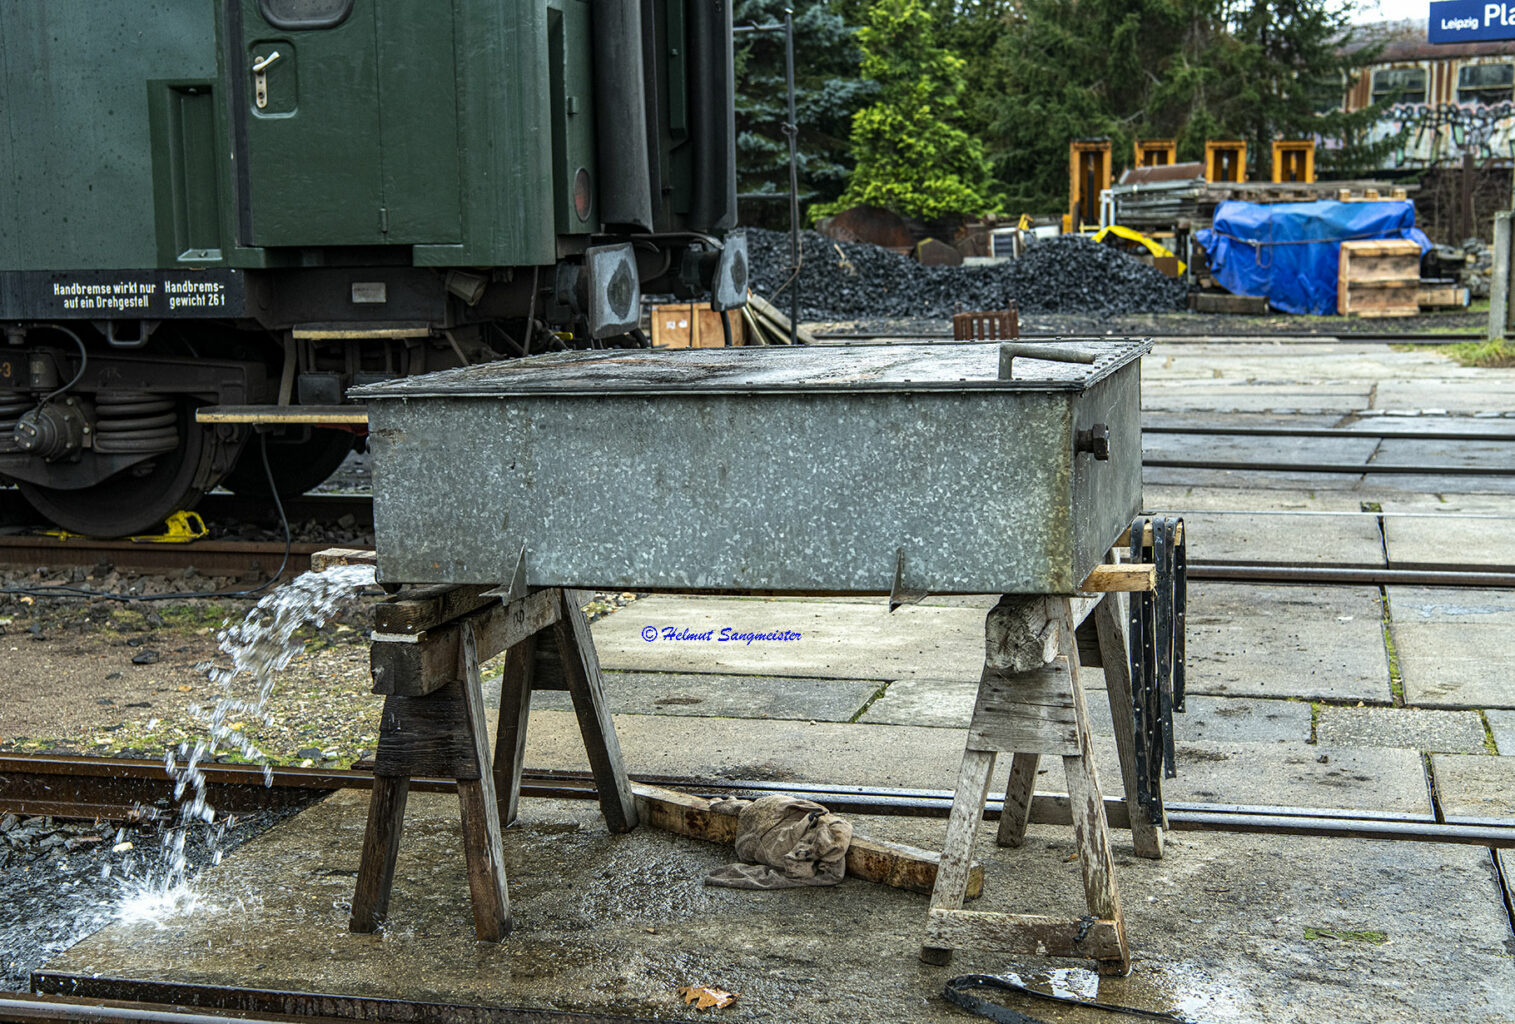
(11, 408)
(135, 423)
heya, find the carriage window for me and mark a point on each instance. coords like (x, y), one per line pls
(305, 13)
(1328, 95)
(1399, 85)
(1485, 83)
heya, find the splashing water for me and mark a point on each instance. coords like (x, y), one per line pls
(259, 648)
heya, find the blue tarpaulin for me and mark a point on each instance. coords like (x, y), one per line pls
(1288, 252)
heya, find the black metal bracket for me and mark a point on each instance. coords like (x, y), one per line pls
(1156, 638)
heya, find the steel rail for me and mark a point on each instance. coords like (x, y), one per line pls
(20, 1008)
(220, 1004)
(1241, 338)
(1354, 469)
(120, 788)
(231, 557)
(211, 557)
(1212, 430)
(1332, 575)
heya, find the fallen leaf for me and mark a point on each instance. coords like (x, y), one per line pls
(704, 997)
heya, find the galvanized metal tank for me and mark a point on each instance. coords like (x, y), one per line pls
(870, 469)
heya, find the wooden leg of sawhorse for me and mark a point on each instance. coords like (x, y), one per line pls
(957, 853)
(482, 845)
(381, 845)
(581, 671)
(581, 678)
(510, 741)
(1109, 629)
(1019, 788)
(1090, 829)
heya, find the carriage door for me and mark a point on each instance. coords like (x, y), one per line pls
(347, 120)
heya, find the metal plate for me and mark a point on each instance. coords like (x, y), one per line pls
(790, 471)
(816, 369)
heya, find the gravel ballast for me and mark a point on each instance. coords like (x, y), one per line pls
(1068, 274)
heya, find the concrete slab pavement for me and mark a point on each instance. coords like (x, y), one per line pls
(1281, 641)
(713, 696)
(1502, 725)
(839, 640)
(1272, 539)
(1189, 498)
(914, 757)
(1426, 540)
(1475, 786)
(1456, 647)
(1230, 928)
(1457, 732)
(949, 703)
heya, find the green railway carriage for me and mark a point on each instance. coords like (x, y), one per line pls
(208, 204)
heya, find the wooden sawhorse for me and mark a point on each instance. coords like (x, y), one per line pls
(1031, 703)
(426, 659)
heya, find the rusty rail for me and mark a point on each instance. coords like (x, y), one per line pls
(116, 789)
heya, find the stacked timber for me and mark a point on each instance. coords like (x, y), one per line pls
(1191, 203)
(1379, 278)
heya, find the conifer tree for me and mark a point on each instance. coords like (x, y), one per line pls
(912, 153)
(828, 91)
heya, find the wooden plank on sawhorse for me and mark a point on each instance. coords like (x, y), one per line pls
(1029, 705)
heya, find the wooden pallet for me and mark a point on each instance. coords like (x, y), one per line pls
(693, 325)
(1380, 277)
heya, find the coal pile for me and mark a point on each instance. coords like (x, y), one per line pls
(1068, 274)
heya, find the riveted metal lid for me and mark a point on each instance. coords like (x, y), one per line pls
(973, 366)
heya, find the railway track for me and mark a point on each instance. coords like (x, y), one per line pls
(1408, 338)
(132, 1001)
(119, 789)
(21, 546)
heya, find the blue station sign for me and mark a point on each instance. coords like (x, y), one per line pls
(1470, 21)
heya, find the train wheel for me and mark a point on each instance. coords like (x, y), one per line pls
(133, 501)
(297, 466)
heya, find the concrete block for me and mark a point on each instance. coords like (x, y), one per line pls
(1449, 540)
(935, 702)
(1475, 786)
(1281, 641)
(1502, 725)
(1273, 539)
(1457, 732)
(1456, 647)
(713, 696)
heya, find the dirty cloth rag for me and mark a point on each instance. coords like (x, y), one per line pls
(786, 843)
